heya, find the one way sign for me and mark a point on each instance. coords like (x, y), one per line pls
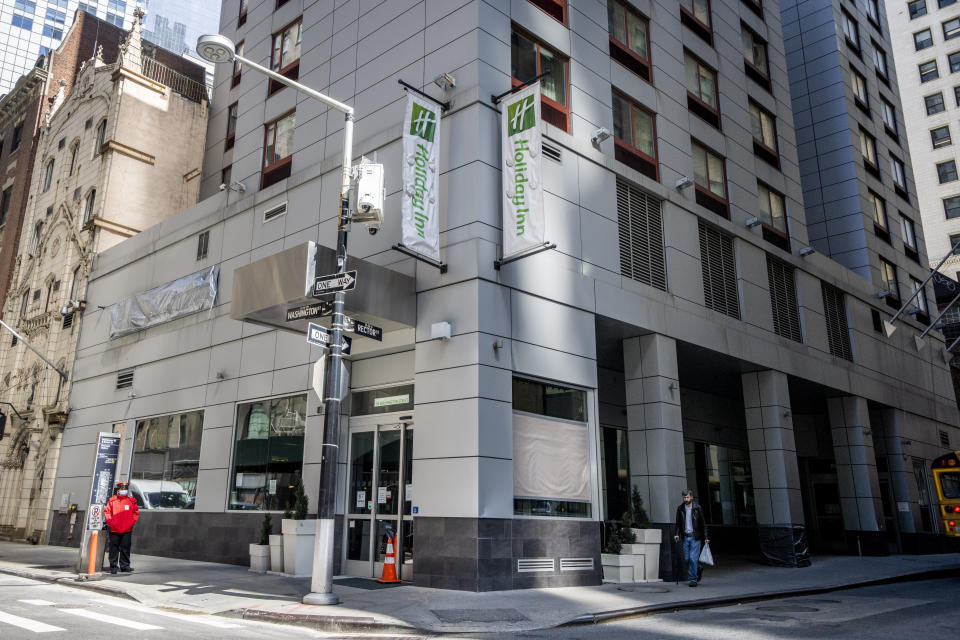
(334, 282)
(321, 336)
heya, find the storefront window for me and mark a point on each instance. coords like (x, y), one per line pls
(550, 450)
(723, 483)
(166, 456)
(268, 456)
(614, 460)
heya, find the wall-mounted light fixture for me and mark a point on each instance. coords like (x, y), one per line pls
(807, 251)
(445, 81)
(882, 294)
(440, 330)
(682, 183)
(600, 135)
(752, 222)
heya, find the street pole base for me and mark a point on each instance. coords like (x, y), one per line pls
(321, 598)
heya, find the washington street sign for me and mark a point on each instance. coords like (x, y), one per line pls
(307, 311)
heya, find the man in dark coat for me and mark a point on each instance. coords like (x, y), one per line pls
(692, 529)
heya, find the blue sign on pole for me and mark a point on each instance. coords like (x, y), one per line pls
(104, 472)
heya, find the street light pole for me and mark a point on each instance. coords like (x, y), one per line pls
(219, 48)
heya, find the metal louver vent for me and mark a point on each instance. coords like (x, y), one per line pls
(783, 299)
(125, 379)
(68, 320)
(640, 223)
(835, 312)
(551, 152)
(944, 439)
(531, 565)
(274, 212)
(719, 272)
(576, 564)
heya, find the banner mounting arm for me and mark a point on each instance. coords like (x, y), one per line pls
(443, 105)
(502, 261)
(422, 258)
(495, 99)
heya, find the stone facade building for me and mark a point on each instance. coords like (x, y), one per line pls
(118, 152)
(680, 334)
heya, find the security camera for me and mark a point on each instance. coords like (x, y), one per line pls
(223, 186)
(373, 230)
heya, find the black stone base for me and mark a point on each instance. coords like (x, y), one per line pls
(481, 554)
(867, 543)
(61, 534)
(922, 543)
(784, 546)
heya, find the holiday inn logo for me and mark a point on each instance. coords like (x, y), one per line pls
(423, 122)
(521, 115)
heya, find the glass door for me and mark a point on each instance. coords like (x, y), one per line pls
(379, 498)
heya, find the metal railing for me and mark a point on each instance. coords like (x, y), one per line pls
(179, 83)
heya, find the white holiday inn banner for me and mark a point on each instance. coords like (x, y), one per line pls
(421, 180)
(523, 192)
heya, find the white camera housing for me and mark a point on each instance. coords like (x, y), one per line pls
(367, 195)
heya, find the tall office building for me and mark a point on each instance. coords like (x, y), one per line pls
(175, 25)
(31, 28)
(681, 333)
(924, 36)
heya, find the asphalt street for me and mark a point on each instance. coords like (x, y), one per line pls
(927, 609)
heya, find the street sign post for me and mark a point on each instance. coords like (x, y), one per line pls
(310, 311)
(321, 336)
(325, 285)
(363, 329)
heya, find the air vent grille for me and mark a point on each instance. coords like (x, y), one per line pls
(274, 212)
(640, 222)
(945, 439)
(532, 565)
(835, 312)
(68, 320)
(576, 564)
(783, 299)
(125, 379)
(551, 152)
(719, 268)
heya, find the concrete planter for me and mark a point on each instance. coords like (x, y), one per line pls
(298, 540)
(637, 562)
(259, 558)
(276, 553)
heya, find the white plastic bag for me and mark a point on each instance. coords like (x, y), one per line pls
(706, 556)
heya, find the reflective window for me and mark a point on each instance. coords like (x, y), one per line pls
(722, 481)
(166, 459)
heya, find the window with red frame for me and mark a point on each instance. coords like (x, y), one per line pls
(242, 16)
(710, 180)
(237, 67)
(231, 127)
(554, 8)
(755, 62)
(764, 126)
(285, 55)
(634, 136)
(528, 59)
(773, 214)
(629, 38)
(277, 150)
(695, 15)
(702, 98)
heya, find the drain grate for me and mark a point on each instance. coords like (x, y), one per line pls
(478, 615)
(787, 608)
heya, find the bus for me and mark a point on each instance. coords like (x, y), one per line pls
(946, 477)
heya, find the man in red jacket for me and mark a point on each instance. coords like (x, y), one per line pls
(121, 514)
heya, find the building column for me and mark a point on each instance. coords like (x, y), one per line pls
(857, 475)
(774, 468)
(893, 422)
(655, 429)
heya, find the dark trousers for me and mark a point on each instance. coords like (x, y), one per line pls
(120, 546)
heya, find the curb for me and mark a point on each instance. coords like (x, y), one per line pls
(719, 601)
(70, 582)
(331, 624)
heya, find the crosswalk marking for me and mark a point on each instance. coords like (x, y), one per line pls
(210, 621)
(39, 603)
(28, 624)
(130, 624)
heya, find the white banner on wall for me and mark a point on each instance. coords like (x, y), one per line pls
(523, 191)
(420, 227)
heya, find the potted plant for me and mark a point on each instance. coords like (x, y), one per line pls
(298, 536)
(276, 544)
(260, 551)
(632, 552)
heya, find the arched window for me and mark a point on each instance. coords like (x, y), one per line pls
(73, 156)
(101, 136)
(48, 174)
(91, 201)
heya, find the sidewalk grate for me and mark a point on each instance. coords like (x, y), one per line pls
(365, 583)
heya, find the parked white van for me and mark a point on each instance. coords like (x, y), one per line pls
(160, 494)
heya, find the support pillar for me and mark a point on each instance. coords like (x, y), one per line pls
(776, 474)
(905, 506)
(857, 475)
(655, 429)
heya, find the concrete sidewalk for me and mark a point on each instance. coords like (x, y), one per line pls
(367, 606)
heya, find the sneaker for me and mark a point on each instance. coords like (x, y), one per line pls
(693, 583)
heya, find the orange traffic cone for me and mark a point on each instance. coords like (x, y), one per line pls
(390, 561)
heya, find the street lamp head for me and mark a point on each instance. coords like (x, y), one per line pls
(216, 48)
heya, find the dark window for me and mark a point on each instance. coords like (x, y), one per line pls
(237, 66)
(226, 174)
(764, 128)
(888, 279)
(773, 212)
(17, 137)
(880, 63)
(231, 127)
(203, 244)
(101, 135)
(860, 94)
(640, 229)
(755, 61)
(928, 71)
(5, 198)
(48, 174)
(878, 211)
(954, 60)
(889, 115)
(557, 9)
(702, 93)
(934, 103)
(899, 172)
(280, 3)
(629, 38)
(945, 3)
(285, 55)
(922, 39)
(635, 136)
(549, 400)
(956, 95)
(242, 17)
(947, 171)
(277, 150)
(951, 29)
(873, 12)
(868, 149)
(90, 204)
(940, 137)
(851, 30)
(955, 246)
(695, 15)
(951, 207)
(528, 59)
(710, 180)
(917, 8)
